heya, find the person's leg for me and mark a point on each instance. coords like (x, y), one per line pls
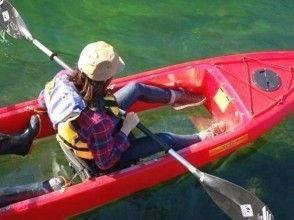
(146, 146)
(179, 99)
(133, 92)
(20, 144)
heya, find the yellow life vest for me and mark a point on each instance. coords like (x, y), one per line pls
(64, 104)
(67, 135)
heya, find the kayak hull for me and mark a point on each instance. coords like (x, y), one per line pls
(232, 94)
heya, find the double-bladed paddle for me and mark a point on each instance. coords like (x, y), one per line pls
(234, 200)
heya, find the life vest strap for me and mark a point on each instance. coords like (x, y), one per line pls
(72, 146)
(69, 137)
(79, 152)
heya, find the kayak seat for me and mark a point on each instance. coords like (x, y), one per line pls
(79, 166)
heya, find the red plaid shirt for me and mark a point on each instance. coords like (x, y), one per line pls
(97, 129)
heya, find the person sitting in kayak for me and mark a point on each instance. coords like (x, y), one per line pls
(83, 111)
(20, 144)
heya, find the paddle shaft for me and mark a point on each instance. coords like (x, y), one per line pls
(185, 163)
(196, 172)
(172, 152)
(50, 54)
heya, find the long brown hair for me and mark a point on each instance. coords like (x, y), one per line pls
(89, 89)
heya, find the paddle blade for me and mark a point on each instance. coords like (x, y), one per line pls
(235, 201)
(12, 23)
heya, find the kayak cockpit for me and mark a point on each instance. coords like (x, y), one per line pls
(222, 101)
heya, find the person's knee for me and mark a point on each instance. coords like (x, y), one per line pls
(167, 137)
(133, 86)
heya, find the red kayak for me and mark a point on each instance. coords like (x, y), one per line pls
(253, 91)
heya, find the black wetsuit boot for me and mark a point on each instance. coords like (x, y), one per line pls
(20, 144)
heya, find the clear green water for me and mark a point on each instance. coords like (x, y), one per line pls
(150, 34)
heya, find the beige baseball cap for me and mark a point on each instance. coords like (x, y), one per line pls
(99, 61)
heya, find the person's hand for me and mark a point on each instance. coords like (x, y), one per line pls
(130, 122)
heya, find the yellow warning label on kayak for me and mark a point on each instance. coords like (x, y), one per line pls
(231, 144)
(222, 100)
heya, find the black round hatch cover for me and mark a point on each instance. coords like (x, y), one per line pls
(266, 79)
